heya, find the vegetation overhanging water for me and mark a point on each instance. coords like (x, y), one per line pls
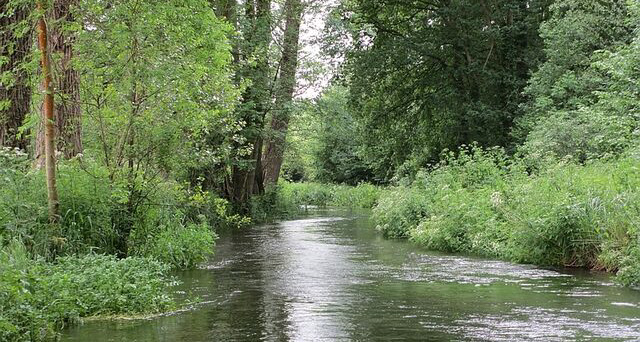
(330, 276)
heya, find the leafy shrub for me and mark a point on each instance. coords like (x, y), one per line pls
(579, 136)
(400, 210)
(86, 209)
(38, 298)
(629, 273)
(276, 202)
(361, 196)
(567, 215)
(182, 246)
(299, 194)
(96, 285)
(21, 318)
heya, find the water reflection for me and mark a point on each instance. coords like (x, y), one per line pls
(332, 278)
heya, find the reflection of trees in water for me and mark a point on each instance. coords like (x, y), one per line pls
(250, 308)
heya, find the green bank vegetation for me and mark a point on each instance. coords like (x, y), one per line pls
(536, 110)
(141, 145)
(162, 122)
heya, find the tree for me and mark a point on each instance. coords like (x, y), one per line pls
(427, 76)
(565, 81)
(47, 117)
(246, 175)
(158, 96)
(67, 111)
(323, 143)
(275, 142)
(15, 89)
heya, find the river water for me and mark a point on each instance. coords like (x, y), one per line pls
(331, 277)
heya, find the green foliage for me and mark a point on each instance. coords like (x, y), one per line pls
(399, 211)
(425, 77)
(96, 285)
(288, 199)
(272, 205)
(301, 194)
(21, 319)
(323, 145)
(579, 136)
(576, 29)
(37, 298)
(478, 202)
(176, 244)
(85, 222)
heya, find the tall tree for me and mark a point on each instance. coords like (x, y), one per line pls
(574, 31)
(427, 76)
(15, 90)
(47, 111)
(275, 142)
(67, 111)
(252, 63)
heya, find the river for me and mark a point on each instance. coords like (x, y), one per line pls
(331, 277)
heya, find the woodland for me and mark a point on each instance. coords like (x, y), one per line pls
(132, 131)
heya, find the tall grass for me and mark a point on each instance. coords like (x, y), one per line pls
(361, 196)
(480, 202)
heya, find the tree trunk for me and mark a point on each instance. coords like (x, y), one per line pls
(275, 144)
(67, 111)
(16, 49)
(245, 179)
(47, 110)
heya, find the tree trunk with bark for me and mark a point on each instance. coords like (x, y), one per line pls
(245, 179)
(275, 144)
(47, 118)
(67, 110)
(15, 96)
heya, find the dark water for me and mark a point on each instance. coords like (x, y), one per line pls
(331, 277)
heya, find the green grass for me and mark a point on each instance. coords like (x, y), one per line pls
(38, 298)
(323, 195)
(482, 204)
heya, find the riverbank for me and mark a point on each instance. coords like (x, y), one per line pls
(103, 257)
(328, 275)
(483, 203)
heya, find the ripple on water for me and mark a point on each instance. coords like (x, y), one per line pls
(424, 267)
(541, 324)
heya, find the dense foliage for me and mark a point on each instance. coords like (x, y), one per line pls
(482, 203)
(323, 145)
(502, 128)
(37, 298)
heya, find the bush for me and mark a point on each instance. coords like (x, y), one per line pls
(86, 208)
(21, 318)
(323, 195)
(578, 136)
(400, 210)
(567, 215)
(174, 243)
(38, 298)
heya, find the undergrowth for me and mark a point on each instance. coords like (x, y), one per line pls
(480, 202)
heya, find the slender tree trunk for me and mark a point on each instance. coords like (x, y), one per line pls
(15, 97)
(275, 144)
(47, 110)
(67, 111)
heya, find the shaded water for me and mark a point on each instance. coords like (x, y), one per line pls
(331, 277)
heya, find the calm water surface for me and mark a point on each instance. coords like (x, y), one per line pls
(331, 277)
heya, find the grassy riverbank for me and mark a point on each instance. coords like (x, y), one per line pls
(104, 257)
(289, 199)
(483, 203)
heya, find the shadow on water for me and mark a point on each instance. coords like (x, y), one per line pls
(330, 276)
